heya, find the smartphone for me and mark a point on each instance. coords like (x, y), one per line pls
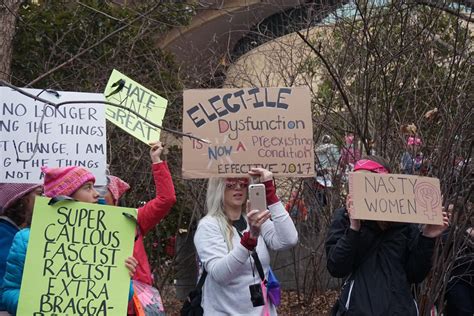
(257, 198)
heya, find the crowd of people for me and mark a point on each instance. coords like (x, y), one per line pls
(378, 260)
(17, 201)
(331, 158)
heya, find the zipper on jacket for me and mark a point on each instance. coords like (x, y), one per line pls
(349, 295)
(416, 306)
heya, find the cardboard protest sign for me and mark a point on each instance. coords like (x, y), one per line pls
(139, 99)
(33, 134)
(75, 263)
(396, 198)
(255, 127)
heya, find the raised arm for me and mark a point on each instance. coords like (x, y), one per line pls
(279, 233)
(155, 210)
(420, 256)
(421, 248)
(341, 245)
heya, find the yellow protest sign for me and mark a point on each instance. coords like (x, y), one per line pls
(124, 91)
(75, 262)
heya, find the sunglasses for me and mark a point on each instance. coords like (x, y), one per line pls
(232, 183)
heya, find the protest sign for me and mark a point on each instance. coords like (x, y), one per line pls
(396, 198)
(33, 134)
(75, 263)
(135, 97)
(255, 127)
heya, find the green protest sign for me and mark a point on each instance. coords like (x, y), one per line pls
(124, 91)
(75, 260)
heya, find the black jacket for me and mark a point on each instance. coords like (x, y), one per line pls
(378, 265)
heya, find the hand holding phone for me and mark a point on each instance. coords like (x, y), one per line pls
(257, 198)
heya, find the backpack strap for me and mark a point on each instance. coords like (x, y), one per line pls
(201, 280)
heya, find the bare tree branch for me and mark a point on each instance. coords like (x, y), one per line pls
(441, 5)
(82, 52)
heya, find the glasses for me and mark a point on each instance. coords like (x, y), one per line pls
(232, 183)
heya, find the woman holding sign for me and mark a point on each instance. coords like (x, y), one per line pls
(228, 236)
(378, 259)
(149, 215)
(74, 182)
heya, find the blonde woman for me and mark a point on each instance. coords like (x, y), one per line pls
(227, 236)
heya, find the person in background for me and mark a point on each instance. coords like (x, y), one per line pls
(115, 189)
(227, 236)
(150, 214)
(16, 208)
(407, 163)
(349, 154)
(296, 207)
(74, 182)
(379, 260)
(328, 155)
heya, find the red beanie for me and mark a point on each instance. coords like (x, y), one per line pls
(65, 181)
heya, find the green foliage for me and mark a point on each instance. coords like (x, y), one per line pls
(55, 31)
(51, 34)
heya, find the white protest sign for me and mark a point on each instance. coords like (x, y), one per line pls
(33, 134)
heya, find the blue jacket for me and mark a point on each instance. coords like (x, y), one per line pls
(14, 271)
(8, 230)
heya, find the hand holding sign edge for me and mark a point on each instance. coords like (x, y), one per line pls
(433, 231)
(355, 223)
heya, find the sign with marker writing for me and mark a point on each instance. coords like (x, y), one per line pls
(33, 134)
(252, 127)
(396, 198)
(75, 263)
(124, 91)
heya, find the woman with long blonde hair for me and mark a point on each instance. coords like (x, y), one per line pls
(226, 238)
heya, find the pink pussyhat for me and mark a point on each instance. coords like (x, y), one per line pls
(413, 141)
(65, 181)
(117, 187)
(369, 165)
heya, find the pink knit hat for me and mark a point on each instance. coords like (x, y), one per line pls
(369, 165)
(12, 192)
(65, 181)
(117, 187)
(413, 141)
